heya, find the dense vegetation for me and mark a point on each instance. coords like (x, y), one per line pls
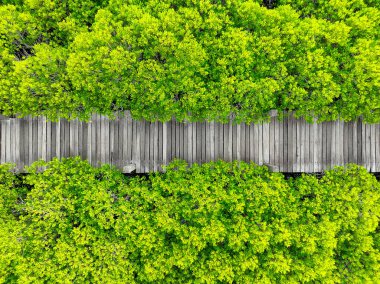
(196, 59)
(216, 223)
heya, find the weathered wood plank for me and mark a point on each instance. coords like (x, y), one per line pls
(198, 139)
(360, 144)
(128, 145)
(272, 142)
(80, 140)
(299, 144)
(151, 146)
(199, 142)
(165, 143)
(352, 134)
(203, 142)
(368, 157)
(279, 143)
(260, 159)
(144, 144)
(39, 137)
(346, 143)
(335, 144)
(377, 168)
(35, 144)
(319, 140)
(212, 138)
(8, 141)
(311, 143)
(106, 135)
(237, 141)
(302, 158)
(171, 144)
(160, 146)
(243, 142)
(330, 140)
(292, 143)
(12, 149)
(283, 143)
(2, 142)
(355, 142)
(22, 136)
(60, 141)
(171, 141)
(155, 146)
(313, 151)
(88, 142)
(341, 142)
(323, 145)
(230, 138)
(15, 132)
(207, 139)
(81, 136)
(103, 139)
(120, 142)
(251, 142)
(222, 134)
(194, 152)
(224, 139)
(177, 141)
(266, 145)
(220, 141)
(99, 140)
(186, 141)
(93, 142)
(377, 143)
(190, 144)
(18, 144)
(123, 139)
(48, 141)
(316, 140)
(74, 138)
(111, 136)
(116, 148)
(57, 139)
(136, 153)
(373, 147)
(3, 124)
(53, 140)
(306, 147)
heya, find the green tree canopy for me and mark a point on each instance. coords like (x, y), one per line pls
(194, 60)
(216, 223)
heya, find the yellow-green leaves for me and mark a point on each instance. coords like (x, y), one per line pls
(197, 60)
(219, 222)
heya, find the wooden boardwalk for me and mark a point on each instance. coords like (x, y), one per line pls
(291, 145)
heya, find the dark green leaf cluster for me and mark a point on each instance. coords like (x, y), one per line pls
(195, 60)
(216, 223)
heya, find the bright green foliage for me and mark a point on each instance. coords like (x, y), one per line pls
(216, 223)
(59, 21)
(332, 10)
(194, 60)
(11, 194)
(354, 25)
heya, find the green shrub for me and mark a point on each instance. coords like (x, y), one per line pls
(216, 223)
(194, 60)
(11, 194)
